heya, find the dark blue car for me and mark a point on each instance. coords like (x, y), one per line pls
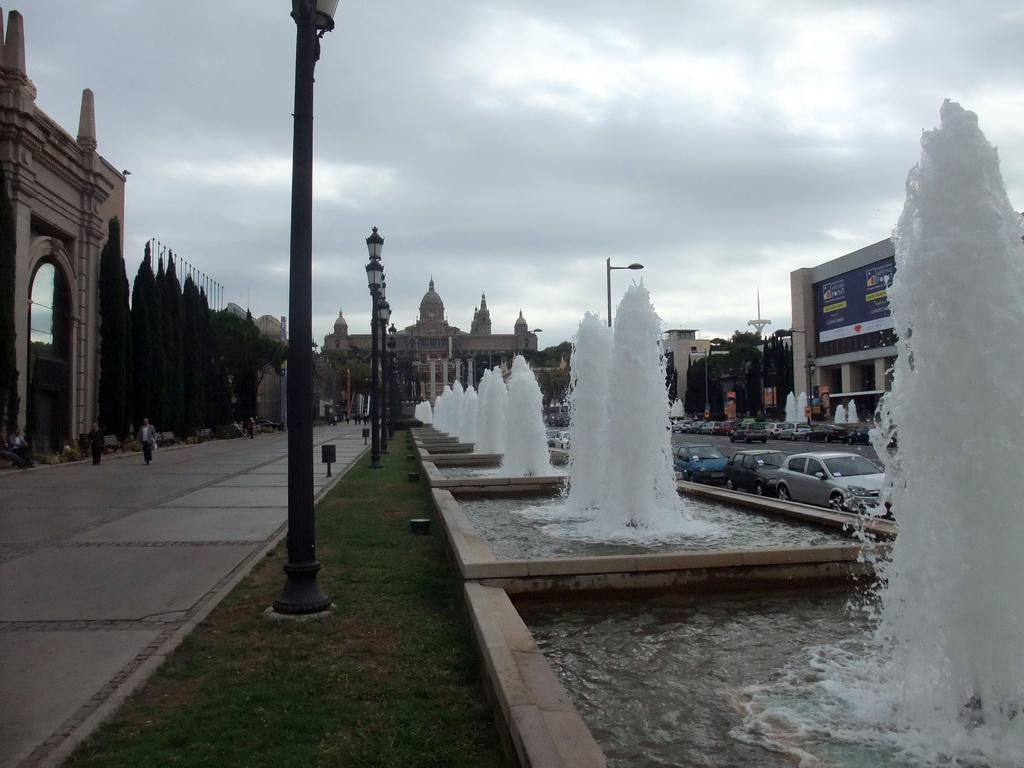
(700, 463)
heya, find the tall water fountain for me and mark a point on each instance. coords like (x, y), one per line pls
(526, 445)
(620, 468)
(791, 407)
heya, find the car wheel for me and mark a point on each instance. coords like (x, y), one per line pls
(732, 438)
(759, 489)
(764, 441)
(730, 484)
(835, 501)
(746, 440)
(792, 437)
(688, 476)
(784, 493)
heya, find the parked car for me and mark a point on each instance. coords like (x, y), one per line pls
(560, 440)
(798, 431)
(774, 429)
(695, 427)
(700, 463)
(754, 471)
(749, 431)
(842, 481)
(708, 427)
(680, 426)
(724, 428)
(859, 435)
(830, 432)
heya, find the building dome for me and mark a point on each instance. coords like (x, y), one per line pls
(521, 324)
(431, 306)
(340, 326)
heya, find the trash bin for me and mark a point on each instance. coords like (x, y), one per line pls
(327, 454)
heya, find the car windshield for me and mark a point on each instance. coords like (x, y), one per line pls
(848, 466)
(706, 452)
(770, 459)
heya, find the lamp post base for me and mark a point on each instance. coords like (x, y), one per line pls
(301, 594)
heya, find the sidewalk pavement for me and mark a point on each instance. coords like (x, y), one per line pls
(105, 569)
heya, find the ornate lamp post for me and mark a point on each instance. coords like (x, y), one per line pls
(383, 316)
(375, 279)
(396, 396)
(302, 594)
(608, 274)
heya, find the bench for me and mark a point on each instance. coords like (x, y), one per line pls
(111, 443)
(167, 438)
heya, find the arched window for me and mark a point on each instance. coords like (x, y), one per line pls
(47, 411)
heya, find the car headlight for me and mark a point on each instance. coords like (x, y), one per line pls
(856, 490)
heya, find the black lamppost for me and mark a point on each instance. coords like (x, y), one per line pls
(302, 594)
(383, 315)
(810, 366)
(374, 278)
(608, 273)
(396, 396)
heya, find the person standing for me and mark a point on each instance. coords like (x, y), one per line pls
(96, 442)
(147, 436)
(250, 426)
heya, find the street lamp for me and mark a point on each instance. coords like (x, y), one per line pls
(375, 279)
(810, 366)
(383, 315)
(608, 274)
(395, 403)
(707, 394)
(302, 594)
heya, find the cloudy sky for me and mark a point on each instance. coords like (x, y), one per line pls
(510, 147)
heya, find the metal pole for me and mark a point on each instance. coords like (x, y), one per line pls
(374, 388)
(608, 275)
(301, 594)
(384, 402)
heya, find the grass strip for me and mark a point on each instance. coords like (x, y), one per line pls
(389, 678)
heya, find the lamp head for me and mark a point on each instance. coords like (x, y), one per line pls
(374, 244)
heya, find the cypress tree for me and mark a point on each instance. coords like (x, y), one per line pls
(143, 364)
(191, 347)
(8, 267)
(114, 324)
(170, 319)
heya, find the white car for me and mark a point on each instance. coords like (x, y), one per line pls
(846, 482)
(775, 429)
(560, 440)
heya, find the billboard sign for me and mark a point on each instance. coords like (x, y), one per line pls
(855, 302)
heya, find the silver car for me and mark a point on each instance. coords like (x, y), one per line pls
(845, 482)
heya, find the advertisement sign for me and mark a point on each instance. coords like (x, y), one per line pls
(730, 405)
(854, 302)
(826, 410)
(769, 397)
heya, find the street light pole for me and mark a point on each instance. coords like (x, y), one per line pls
(707, 393)
(810, 366)
(374, 278)
(396, 396)
(302, 594)
(608, 274)
(383, 315)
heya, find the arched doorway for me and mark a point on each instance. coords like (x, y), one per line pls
(48, 416)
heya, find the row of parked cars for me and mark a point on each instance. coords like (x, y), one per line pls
(751, 431)
(842, 481)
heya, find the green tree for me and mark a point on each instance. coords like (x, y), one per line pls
(8, 266)
(192, 358)
(144, 324)
(242, 353)
(171, 329)
(115, 365)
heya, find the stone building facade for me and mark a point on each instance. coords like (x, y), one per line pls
(440, 352)
(64, 194)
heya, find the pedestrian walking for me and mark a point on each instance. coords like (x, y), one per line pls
(96, 442)
(147, 436)
(250, 425)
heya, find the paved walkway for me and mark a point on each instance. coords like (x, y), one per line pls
(105, 569)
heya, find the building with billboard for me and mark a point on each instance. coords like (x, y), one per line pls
(844, 340)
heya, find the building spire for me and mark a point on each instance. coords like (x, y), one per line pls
(87, 122)
(14, 44)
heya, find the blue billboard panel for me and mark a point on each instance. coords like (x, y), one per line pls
(855, 302)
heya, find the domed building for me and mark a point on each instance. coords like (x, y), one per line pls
(441, 352)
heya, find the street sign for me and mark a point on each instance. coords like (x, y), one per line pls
(807, 411)
(707, 412)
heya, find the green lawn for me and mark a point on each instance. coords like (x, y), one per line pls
(389, 678)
